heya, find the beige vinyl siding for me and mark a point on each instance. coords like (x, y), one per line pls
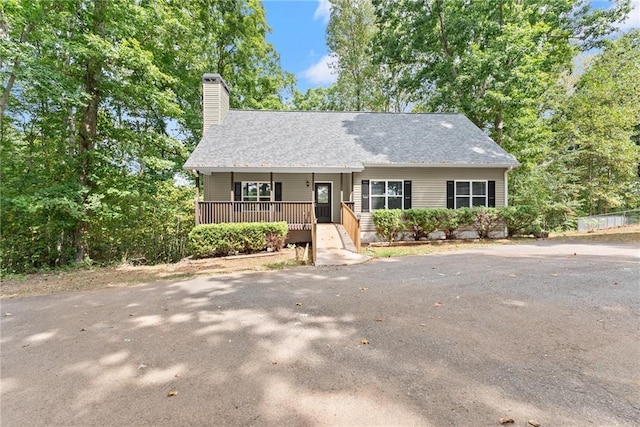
(428, 185)
(215, 104)
(218, 186)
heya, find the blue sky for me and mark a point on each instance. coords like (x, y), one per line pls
(298, 34)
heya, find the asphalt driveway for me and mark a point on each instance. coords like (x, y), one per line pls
(547, 332)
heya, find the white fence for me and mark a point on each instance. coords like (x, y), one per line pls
(612, 220)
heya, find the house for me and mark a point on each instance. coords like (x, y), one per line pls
(333, 167)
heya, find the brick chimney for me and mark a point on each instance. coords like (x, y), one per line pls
(215, 100)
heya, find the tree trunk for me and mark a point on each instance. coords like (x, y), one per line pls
(87, 133)
(498, 127)
(4, 100)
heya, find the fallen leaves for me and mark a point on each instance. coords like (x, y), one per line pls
(505, 420)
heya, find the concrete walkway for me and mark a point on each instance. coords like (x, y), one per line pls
(335, 247)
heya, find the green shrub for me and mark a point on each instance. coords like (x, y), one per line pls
(419, 222)
(446, 220)
(558, 216)
(388, 223)
(485, 220)
(224, 239)
(519, 219)
(465, 217)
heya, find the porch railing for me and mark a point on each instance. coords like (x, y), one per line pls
(314, 236)
(351, 224)
(296, 214)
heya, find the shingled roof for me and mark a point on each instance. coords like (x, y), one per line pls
(297, 141)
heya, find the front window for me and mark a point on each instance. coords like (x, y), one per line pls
(471, 193)
(386, 195)
(256, 192)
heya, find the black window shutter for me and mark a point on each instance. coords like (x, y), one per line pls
(491, 192)
(365, 195)
(237, 191)
(407, 194)
(237, 196)
(451, 203)
(278, 195)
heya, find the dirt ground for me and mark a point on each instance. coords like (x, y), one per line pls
(127, 274)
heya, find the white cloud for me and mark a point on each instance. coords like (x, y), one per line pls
(633, 20)
(320, 73)
(323, 11)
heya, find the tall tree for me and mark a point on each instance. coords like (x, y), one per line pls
(94, 96)
(349, 34)
(489, 60)
(597, 128)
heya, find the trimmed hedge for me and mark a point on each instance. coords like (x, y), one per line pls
(419, 223)
(388, 223)
(227, 239)
(519, 219)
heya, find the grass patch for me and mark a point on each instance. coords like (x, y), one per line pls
(281, 265)
(427, 248)
(623, 237)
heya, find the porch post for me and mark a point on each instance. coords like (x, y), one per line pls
(233, 197)
(197, 207)
(271, 197)
(313, 187)
(341, 197)
(351, 193)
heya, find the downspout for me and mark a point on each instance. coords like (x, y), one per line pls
(506, 186)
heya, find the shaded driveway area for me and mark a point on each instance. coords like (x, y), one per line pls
(547, 331)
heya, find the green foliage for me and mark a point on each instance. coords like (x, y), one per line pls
(447, 221)
(225, 239)
(100, 106)
(596, 126)
(388, 223)
(556, 217)
(419, 222)
(518, 219)
(481, 219)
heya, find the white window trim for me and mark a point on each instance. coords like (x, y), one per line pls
(386, 196)
(470, 195)
(258, 183)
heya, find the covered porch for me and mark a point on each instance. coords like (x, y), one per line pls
(302, 200)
